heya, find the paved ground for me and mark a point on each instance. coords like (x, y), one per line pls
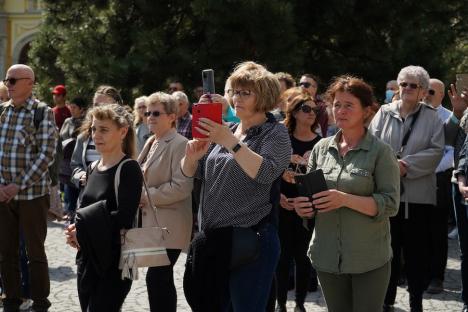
(64, 295)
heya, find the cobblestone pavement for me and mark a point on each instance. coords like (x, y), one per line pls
(64, 295)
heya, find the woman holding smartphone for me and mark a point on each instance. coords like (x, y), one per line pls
(351, 249)
(240, 168)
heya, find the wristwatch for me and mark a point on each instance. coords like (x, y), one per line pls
(236, 148)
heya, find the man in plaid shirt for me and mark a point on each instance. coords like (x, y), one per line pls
(184, 118)
(26, 150)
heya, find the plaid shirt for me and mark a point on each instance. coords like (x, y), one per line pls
(25, 152)
(184, 126)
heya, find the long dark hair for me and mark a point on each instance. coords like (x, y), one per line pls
(293, 107)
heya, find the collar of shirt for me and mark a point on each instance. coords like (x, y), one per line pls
(365, 143)
(186, 116)
(28, 104)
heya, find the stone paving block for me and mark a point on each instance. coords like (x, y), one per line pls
(64, 295)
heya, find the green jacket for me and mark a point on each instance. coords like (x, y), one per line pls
(345, 240)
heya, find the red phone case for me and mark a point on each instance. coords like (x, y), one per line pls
(213, 111)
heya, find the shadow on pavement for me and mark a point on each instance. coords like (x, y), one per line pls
(61, 273)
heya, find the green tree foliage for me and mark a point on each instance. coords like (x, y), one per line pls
(137, 45)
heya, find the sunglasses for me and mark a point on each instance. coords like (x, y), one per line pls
(12, 81)
(431, 92)
(305, 84)
(411, 85)
(153, 113)
(307, 109)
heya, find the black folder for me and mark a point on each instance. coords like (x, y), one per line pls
(311, 183)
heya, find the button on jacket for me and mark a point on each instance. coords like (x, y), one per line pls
(347, 241)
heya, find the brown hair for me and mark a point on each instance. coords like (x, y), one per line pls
(121, 117)
(262, 82)
(293, 107)
(353, 85)
(111, 92)
(287, 78)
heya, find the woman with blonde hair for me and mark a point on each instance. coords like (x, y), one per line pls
(240, 168)
(100, 287)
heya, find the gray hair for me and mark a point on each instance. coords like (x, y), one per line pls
(417, 72)
(171, 106)
(180, 97)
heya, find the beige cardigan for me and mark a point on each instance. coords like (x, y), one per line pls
(169, 189)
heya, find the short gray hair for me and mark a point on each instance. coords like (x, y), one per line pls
(417, 72)
(180, 97)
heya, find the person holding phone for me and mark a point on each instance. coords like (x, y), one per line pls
(351, 248)
(240, 168)
(301, 122)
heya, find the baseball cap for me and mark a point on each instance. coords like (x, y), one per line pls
(59, 89)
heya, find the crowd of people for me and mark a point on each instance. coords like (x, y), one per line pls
(394, 172)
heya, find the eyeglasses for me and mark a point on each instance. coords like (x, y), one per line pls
(411, 85)
(153, 113)
(305, 84)
(308, 109)
(240, 93)
(12, 81)
(431, 92)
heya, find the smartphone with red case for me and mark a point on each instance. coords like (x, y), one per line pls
(212, 111)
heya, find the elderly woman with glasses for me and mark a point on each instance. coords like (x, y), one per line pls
(170, 192)
(416, 135)
(240, 168)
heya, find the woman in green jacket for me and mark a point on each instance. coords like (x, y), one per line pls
(351, 249)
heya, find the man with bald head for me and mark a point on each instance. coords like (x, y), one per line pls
(26, 150)
(439, 214)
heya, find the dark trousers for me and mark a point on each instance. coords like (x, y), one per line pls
(294, 240)
(30, 217)
(439, 225)
(101, 293)
(462, 225)
(25, 288)
(70, 198)
(162, 294)
(411, 235)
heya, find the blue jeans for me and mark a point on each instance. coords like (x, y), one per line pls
(249, 286)
(462, 225)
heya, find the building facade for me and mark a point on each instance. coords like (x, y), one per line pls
(19, 23)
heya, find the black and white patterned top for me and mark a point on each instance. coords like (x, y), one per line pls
(229, 196)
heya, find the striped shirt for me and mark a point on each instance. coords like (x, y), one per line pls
(26, 152)
(184, 126)
(229, 196)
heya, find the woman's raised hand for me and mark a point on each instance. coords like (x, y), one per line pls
(196, 149)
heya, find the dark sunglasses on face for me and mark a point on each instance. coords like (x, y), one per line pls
(431, 92)
(12, 81)
(305, 84)
(411, 85)
(153, 113)
(308, 109)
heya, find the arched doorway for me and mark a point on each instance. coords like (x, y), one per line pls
(21, 49)
(23, 56)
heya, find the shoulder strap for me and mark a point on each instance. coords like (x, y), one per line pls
(407, 134)
(39, 113)
(116, 190)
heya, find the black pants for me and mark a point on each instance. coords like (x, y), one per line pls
(162, 293)
(106, 293)
(439, 225)
(411, 235)
(294, 240)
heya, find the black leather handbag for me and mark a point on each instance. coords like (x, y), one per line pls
(245, 246)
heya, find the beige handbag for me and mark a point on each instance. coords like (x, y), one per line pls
(141, 246)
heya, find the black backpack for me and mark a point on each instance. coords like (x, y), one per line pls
(39, 111)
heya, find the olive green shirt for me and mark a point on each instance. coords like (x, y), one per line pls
(347, 241)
